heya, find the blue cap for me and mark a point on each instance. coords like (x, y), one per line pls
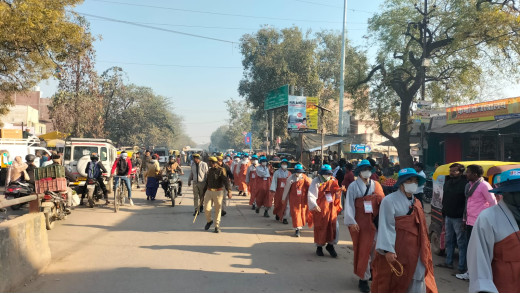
(508, 181)
(285, 160)
(254, 157)
(326, 170)
(362, 164)
(406, 173)
(263, 158)
(299, 168)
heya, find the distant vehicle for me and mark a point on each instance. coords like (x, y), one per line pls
(163, 154)
(10, 148)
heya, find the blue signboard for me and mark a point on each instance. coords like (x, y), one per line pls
(360, 148)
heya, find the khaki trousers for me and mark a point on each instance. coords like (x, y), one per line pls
(198, 193)
(213, 198)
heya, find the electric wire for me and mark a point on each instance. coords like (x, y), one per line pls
(169, 65)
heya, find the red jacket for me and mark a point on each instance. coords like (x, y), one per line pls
(348, 179)
(128, 162)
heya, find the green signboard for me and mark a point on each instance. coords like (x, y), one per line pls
(277, 98)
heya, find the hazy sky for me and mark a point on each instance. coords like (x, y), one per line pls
(200, 74)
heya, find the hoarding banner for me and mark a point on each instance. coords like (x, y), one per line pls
(312, 113)
(297, 113)
(485, 111)
(360, 148)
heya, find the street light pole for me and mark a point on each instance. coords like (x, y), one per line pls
(342, 71)
(424, 55)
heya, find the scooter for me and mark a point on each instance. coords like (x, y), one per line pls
(54, 207)
(173, 186)
(17, 189)
(94, 192)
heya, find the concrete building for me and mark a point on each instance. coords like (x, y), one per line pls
(34, 100)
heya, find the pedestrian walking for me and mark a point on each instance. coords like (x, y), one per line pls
(362, 203)
(147, 158)
(262, 183)
(229, 175)
(478, 198)
(419, 195)
(137, 162)
(251, 180)
(295, 194)
(198, 175)
(153, 172)
(235, 169)
(241, 177)
(347, 180)
(324, 203)
(277, 187)
(493, 262)
(403, 259)
(453, 205)
(217, 182)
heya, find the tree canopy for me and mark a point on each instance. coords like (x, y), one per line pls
(461, 40)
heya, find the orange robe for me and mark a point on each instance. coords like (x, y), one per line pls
(298, 203)
(241, 179)
(325, 222)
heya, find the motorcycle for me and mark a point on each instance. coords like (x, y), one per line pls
(94, 192)
(173, 186)
(17, 189)
(54, 207)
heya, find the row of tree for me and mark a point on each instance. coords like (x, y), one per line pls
(450, 48)
(40, 39)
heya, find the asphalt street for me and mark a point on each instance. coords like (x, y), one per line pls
(153, 247)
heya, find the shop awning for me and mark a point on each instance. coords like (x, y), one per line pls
(312, 142)
(475, 127)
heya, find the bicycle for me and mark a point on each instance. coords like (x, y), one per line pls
(120, 193)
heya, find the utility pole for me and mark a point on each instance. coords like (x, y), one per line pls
(425, 61)
(342, 71)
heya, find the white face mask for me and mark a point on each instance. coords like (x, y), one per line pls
(255, 162)
(237, 159)
(284, 166)
(264, 163)
(411, 188)
(327, 177)
(365, 174)
(124, 155)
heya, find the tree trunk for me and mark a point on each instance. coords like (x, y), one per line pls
(403, 143)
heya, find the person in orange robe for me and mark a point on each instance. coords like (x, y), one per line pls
(403, 261)
(362, 202)
(263, 181)
(251, 181)
(324, 200)
(278, 184)
(242, 171)
(296, 191)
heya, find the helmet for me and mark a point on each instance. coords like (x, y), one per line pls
(94, 157)
(30, 158)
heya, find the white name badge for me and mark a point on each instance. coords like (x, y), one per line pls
(265, 179)
(282, 184)
(368, 206)
(253, 176)
(328, 196)
(299, 192)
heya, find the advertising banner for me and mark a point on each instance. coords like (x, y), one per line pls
(312, 113)
(360, 148)
(485, 111)
(297, 113)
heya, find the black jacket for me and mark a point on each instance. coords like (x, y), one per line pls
(454, 199)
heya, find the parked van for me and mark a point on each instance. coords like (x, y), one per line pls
(76, 148)
(163, 153)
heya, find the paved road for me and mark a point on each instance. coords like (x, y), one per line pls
(153, 247)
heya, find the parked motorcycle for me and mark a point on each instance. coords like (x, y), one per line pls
(173, 186)
(54, 207)
(94, 192)
(16, 190)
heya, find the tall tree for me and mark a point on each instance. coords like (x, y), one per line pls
(35, 37)
(219, 138)
(459, 39)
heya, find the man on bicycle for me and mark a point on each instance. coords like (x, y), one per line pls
(172, 167)
(95, 170)
(121, 170)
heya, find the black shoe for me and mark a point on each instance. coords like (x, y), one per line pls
(223, 212)
(179, 194)
(206, 227)
(253, 207)
(297, 233)
(147, 197)
(195, 212)
(138, 187)
(239, 193)
(319, 251)
(81, 203)
(201, 209)
(285, 222)
(107, 203)
(363, 286)
(331, 250)
(257, 210)
(266, 213)
(217, 230)
(277, 217)
(442, 252)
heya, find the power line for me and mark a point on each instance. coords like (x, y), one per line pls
(157, 28)
(215, 13)
(170, 65)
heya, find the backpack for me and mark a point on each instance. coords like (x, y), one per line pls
(93, 170)
(122, 167)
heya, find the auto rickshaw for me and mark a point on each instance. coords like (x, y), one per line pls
(491, 168)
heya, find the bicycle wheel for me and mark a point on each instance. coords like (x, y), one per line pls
(123, 194)
(116, 198)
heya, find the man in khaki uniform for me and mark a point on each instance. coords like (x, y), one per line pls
(217, 181)
(199, 170)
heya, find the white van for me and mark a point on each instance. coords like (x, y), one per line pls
(76, 148)
(10, 148)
